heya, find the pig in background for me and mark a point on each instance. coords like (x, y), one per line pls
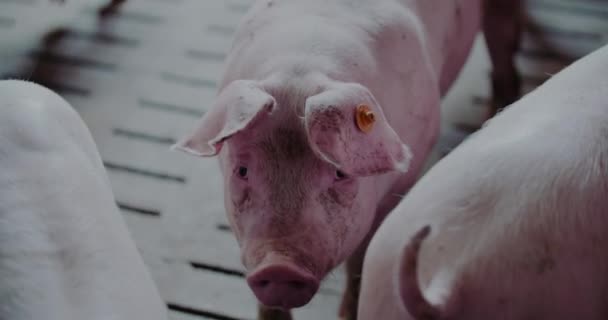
(65, 251)
(513, 223)
(322, 108)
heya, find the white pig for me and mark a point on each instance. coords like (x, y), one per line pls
(515, 219)
(322, 107)
(65, 251)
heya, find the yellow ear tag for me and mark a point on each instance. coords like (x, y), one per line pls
(365, 118)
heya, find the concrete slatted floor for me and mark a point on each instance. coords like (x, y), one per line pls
(142, 77)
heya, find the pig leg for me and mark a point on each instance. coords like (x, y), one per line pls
(354, 266)
(502, 27)
(350, 299)
(273, 314)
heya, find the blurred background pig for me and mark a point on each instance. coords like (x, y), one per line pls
(513, 223)
(325, 112)
(65, 251)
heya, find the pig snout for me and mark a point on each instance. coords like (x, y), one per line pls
(283, 285)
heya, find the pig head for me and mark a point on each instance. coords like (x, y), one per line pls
(299, 160)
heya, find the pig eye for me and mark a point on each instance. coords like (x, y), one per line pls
(340, 175)
(242, 172)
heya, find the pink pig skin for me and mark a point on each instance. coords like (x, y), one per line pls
(304, 186)
(518, 216)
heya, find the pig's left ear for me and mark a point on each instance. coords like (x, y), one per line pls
(347, 128)
(236, 107)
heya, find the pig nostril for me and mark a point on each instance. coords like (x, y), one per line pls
(297, 284)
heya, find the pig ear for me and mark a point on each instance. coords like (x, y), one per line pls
(238, 106)
(347, 128)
